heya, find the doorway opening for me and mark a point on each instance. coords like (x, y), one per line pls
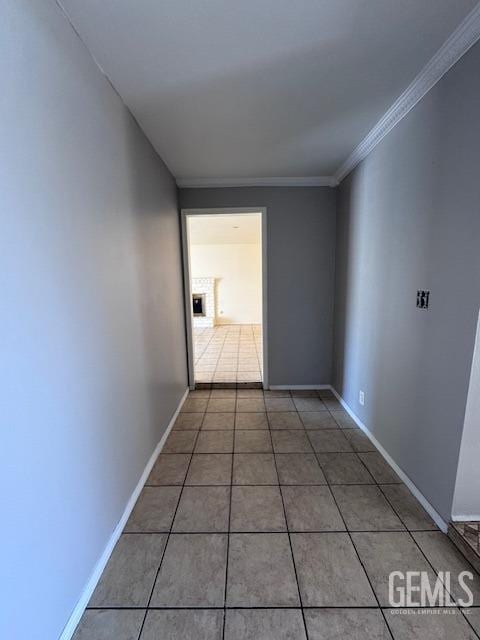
(225, 296)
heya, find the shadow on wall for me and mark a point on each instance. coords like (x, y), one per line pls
(154, 198)
(402, 226)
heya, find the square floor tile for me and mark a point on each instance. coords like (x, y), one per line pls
(309, 404)
(264, 624)
(248, 404)
(186, 624)
(284, 420)
(411, 512)
(204, 509)
(203, 378)
(277, 393)
(299, 468)
(379, 468)
(189, 421)
(358, 440)
(180, 442)
(226, 368)
(251, 421)
(279, 404)
(221, 405)
(210, 469)
(170, 468)
(382, 553)
(443, 555)
(448, 625)
(344, 420)
(291, 442)
(329, 572)
(223, 393)
(329, 441)
(250, 441)
(128, 578)
(365, 508)
(192, 572)
(254, 468)
(343, 624)
(317, 420)
(344, 468)
(105, 624)
(249, 376)
(218, 421)
(311, 509)
(214, 442)
(250, 393)
(260, 571)
(257, 509)
(154, 510)
(194, 405)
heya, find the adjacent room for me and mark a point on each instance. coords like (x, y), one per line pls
(225, 276)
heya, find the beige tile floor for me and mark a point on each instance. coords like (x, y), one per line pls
(268, 516)
(228, 353)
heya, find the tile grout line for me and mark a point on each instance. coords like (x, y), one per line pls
(228, 534)
(362, 564)
(349, 532)
(410, 532)
(167, 539)
(288, 534)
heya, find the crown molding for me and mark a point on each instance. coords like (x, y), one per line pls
(460, 41)
(309, 181)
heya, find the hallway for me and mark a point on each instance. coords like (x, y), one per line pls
(267, 516)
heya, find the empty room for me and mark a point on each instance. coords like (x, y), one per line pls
(240, 297)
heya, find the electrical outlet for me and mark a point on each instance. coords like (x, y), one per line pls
(361, 397)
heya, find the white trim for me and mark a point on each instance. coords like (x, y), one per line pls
(187, 280)
(306, 181)
(298, 387)
(466, 518)
(439, 521)
(459, 42)
(81, 605)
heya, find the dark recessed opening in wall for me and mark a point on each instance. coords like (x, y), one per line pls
(198, 304)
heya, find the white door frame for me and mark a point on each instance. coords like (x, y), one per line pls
(187, 280)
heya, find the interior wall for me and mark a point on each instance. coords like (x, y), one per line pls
(466, 500)
(408, 219)
(93, 358)
(237, 269)
(300, 274)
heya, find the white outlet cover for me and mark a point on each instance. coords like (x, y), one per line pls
(361, 397)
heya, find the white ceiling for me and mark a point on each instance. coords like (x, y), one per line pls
(228, 229)
(261, 88)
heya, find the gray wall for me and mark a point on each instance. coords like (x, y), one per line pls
(408, 219)
(93, 359)
(301, 257)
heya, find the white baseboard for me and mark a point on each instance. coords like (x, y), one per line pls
(436, 517)
(298, 387)
(81, 605)
(466, 518)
